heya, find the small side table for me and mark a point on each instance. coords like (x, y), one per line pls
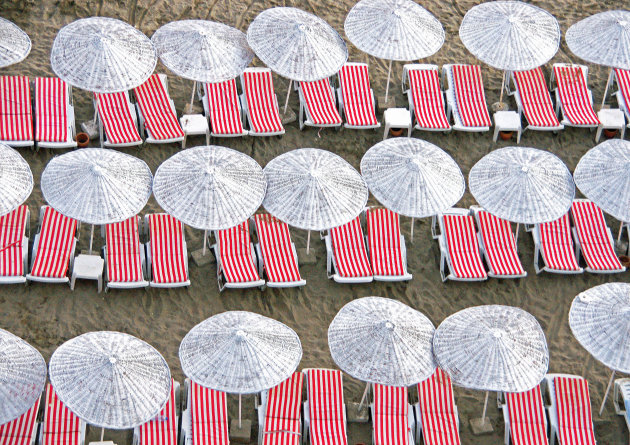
(397, 118)
(610, 119)
(507, 121)
(194, 124)
(88, 267)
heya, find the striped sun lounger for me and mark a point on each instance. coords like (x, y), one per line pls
(14, 246)
(260, 103)
(156, 110)
(426, 99)
(438, 421)
(124, 255)
(553, 242)
(621, 399)
(570, 410)
(167, 255)
(223, 109)
(16, 115)
(622, 77)
(386, 246)
(162, 430)
(117, 120)
(54, 114)
(317, 104)
(60, 426)
(347, 258)
(356, 98)
(205, 420)
(392, 419)
(525, 419)
(533, 100)
(279, 415)
(573, 98)
(236, 258)
(23, 430)
(324, 410)
(466, 98)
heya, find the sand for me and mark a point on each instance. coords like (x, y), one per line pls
(48, 315)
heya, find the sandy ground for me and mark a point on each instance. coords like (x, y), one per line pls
(48, 315)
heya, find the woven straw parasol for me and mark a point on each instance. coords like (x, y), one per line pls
(16, 179)
(22, 376)
(110, 379)
(15, 44)
(600, 321)
(102, 55)
(394, 30)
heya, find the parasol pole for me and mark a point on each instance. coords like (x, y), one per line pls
(620, 231)
(192, 96)
(286, 102)
(91, 238)
(102, 433)
(612, 376)
(502, 87)
(205, 235)
(365, 394)
(308, 241)
(485, 406)
(607, 86)
(412, 221)
(389, 72)
(518, 226)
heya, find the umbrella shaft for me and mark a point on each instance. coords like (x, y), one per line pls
(389, 72)
(192, 96)
(91, 238)
(286, 102)
(365, 394)
(518, 226)
(502, 87)
(607, 86)
(612, 376)
(485, 407)
(102, 433)
(239, 411)
(412, 221)
(308, 242)
(205, 236)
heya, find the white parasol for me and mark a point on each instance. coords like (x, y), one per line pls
(15, 44)
(16, 179)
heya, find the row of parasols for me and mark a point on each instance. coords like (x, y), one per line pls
(114, 380)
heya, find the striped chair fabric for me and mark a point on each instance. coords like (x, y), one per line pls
(162, 430)
(61, 426)
(391, 411)
(470, 96)
(384, 242)
(283, 423)
(535, 98)
(348, 245)
(573, 92)
(557, 245)
(16, 116)
(56, 239)
(51, 109)
(500, 244)
(236, 255)
(277, 251)
(21, 430)
(124, 259)
(224, 109)
(326, 407)
(115, 114)
(428, 100)
(358, 100)
(528, 424)
(462, 246)
(573, 408)
(262, 107)
(208, 413)
(623, 80)
(168, 258)
(438, 414)
(12, 230)
(159, 117)
(319, 100)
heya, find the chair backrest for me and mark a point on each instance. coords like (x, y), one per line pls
(208, 413)
(283, 423)
(358, 98)
(51, 109)
(557, 244)
(577, 105)
(159, 117)
(60, 426)
(428, 100)
(384, 242)
(12, 230)
(437, 410)
(168, 249)
(535, 98)
(162, 430)
(16, 116)
(20, 431)
(320, 102)
(348, 246)
(462, 245)
(223, 107)
(277, 251)
(326, 407)
(115, 114)
(623, 80)
(500, 244)
(124, 260)
(528, 421)
(56, 241)
(261, 101)
(236, 254)
(391, 410)
(573, 408)
(470, 95)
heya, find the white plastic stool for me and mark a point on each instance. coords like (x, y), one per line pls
(610, 119)
(88, 267)
(507, 121)
(194, 124)
(397, 118)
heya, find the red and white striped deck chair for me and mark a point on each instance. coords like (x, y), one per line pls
(498, 245)
(466, 98)
(426, 99)
(317, 104)
(570, 413)
(156, 109)
(162, 430)
(205, 420)
(573, 98)
(16, 115)
(347, 258)
(260, 103)
(54, 114)
(436, 412)
(459, 248)
(236, 258)
(223, 109)
(14, 246)
(533, 99)
(53, 247)
(324, 409)
(23, 430)
(554, 243)
(525, 418)
(392, 419)
(386, 245)
(60, 425)
(124, 255)
(117, 120)
(279, 414)
(167, 254)
(356, 98)
(276, 252)
(593, 238)
(622, 77)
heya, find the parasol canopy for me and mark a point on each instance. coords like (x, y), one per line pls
(22, 376)
(210, 187)
(103, 55)
(110, 379)
(522, 184)
(314, 189)
(240, 352)
(379, 340)
(15, 44)
(16, 180)
(412, 177)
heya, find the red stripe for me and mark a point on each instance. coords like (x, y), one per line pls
(593, 234)
(16, 119)
(115, 114)
(500, 245)
(470, 96)
(56, 238)
(124, 261)
(438, 413)
(348, 245)
(319, 100)
(573, 405)
(12, 230)
(61, 426)
(576, 103)
(261, 102)
(162, 430)
(384, 242)
(282, 424)
(224, 109)
(535, 98)
(208, 410)
(358, 99)
(528, 422)
(154, 102)
(168, 258)
(326, 406)
(276, 248)
(235, 252)
(557, 245)
(51, 107)
(428, 100)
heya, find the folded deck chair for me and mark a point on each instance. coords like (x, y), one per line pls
(23, 430)
(356, 98)
(324, 409)
(236, 258)
(156, 110)
(60, 425)
(317, 104)
(525, 418)
(570, 414)
(554, 243)
(593, 238)
(118, 126)
(392, 416)
(466, 98)
(426, 99)
(279, 414)
(54, 114)
(124, 255)
(161, 430)
(622, 77)
(621, 399)
(167, 255)
(498, 245)
(276, 252)
(386, 245)
(573, 98)
(260, 103)
(205, 420)
(459, 248)
(16, 115)
(436, 413)
(533, 99)
(222, 106)
(14, 246)
(347, 259)
(53, 247)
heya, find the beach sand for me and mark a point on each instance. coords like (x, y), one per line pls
(47, 315)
